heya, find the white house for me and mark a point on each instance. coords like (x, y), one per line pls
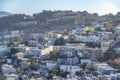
(87, 38)
(56, 78)
(7, 69)
(34, 35)
(3, 50)
(117, 29)
(85, 60)
(34, 51)
(32, 43)
(71, 69)
(15, 33)
(51, 65)
(103, 67)
(12, 77)
(71, 49)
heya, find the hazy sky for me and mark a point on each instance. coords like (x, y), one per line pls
(35, 6)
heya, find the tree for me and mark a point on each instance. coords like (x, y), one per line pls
(5, 78)
(54, 71)
(13, 50)
(59, 41)
(26, 43)
(101, 59)
(49, 77)
(17, 39)
(118, 77)
(109, 55)
(28, 78)
(17, 70)
(53, 55)
(87, 32)
(78, 73)
(97, 73)
(63, 74)
(32, 67)
(19, 76)
(10, 44)
(83, 66)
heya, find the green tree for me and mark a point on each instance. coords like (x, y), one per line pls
(59, 41)
(17, 39)
(54, 71)
(63, 74)
(79, 73)
(49, 77)
(28, 78)
(118, 77)
(97, 73)
(5, 78)
(17, 70)
(13, 50)
(83, 66)
(109, 55)
(53, 55)
(87, 32)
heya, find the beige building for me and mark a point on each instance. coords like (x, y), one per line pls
(47, 50)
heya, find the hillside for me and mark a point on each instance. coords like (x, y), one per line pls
(53, 18)
(3, 14)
